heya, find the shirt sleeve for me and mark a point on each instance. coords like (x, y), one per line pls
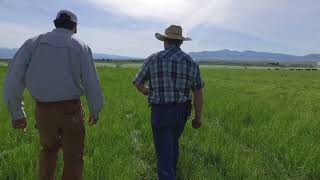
(198, 83)
(91, 83)
(15, 81)
(144, 73)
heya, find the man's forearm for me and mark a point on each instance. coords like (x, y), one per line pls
(13, 93)
(142, 88)
(95, 100)
(198, 103)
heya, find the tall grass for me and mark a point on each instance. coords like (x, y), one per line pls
(258, 124)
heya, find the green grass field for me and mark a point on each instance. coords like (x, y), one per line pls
(258, 124)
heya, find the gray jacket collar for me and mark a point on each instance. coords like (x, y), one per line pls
(63, 31)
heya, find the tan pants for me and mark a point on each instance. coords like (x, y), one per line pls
(60, 125)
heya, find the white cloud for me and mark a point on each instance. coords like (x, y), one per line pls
(286, 22)
(120, 41)
(111, 41)
(261, 18)
(13, 35)
(188, 13)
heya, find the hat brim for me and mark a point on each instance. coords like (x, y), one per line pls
(161, 37)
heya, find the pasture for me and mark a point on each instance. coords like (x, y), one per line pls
(257, 124)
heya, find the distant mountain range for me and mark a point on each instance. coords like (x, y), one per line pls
(6, 53)
(250, 56)
(223, 55)
(101, 56)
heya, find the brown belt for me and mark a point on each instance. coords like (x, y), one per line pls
(74, 101)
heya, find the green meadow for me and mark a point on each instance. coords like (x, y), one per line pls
(257, 124)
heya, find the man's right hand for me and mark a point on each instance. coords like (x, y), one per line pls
(145, 91)
(196, 123)
(19, 123)
(92, 120)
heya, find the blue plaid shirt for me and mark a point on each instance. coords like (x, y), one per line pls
(171, 74)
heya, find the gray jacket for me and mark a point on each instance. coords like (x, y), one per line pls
(53, 67)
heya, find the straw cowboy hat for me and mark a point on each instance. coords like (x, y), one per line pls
(172, 32)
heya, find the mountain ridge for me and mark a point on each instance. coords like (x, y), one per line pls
(224, 55)
(7, 53)
(250, 55)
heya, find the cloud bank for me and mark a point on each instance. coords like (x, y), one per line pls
(127, 27)
(286, 23)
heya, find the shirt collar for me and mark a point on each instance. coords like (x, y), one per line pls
(63, 31)
(170, 50)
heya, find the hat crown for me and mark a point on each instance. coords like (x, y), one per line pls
(172, 32)
(173, 29)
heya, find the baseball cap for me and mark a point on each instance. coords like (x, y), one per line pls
(67, 15)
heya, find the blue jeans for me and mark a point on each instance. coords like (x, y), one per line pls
(168, 122)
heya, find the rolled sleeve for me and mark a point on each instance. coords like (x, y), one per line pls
(198, 83)
(144, 73)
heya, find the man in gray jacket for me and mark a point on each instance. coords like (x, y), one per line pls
(57, 69)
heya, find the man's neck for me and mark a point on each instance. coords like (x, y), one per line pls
(171, 47)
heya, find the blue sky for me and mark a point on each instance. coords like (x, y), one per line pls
(127, 27)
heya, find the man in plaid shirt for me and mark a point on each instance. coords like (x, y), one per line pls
(172, 76)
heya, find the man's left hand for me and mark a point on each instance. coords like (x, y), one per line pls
(196, 123)
(19, 123)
